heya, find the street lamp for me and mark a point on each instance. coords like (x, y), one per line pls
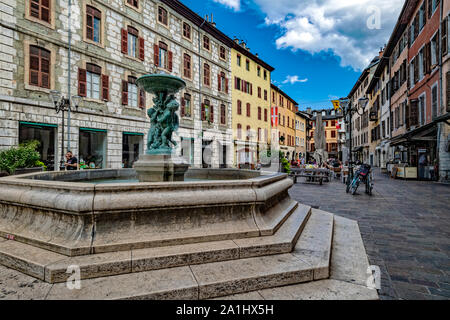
(63, 104)
(348, 111)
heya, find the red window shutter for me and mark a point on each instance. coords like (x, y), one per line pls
(82, 82)
(211, 114)
(105, 87)
(251, 89)
(203, 112)
(124, 41)
(226, 85)
(141, 49)
(141, 99)
(169, 54)
(156, 54)
(218, 82)
(124, 92)
(183, 104)
(235, 82)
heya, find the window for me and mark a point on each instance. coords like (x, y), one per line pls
(265, 75)
(265, 115)
(132, 42)
(40, 9)
(434, 102)
(333, 123)
(186, 105)
(239, 131)
(265, 95)
(39, 67)
(93, 74)
(222, 54)
(238, 60)
(422, 18)
(259, 134)
(421, 65)
(222, 82)
(206, 43)
(132, 92)
(248, 109)
(93, 24)
(259, 92)
(248, 132)
(258, 71)
(247, 65)
(162, 16)
(134, 3)
(422, 119)
(223, 114)
(163, 57)
(186, 31)
(333, 134)
(259, 113)
(187, 66)
(206, 75)
(239, 107)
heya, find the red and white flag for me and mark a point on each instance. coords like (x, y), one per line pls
(274, 116)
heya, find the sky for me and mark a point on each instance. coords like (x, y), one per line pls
(317, 47)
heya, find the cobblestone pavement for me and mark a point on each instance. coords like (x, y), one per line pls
(405, 226)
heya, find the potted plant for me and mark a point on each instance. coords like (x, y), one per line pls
(21, 159)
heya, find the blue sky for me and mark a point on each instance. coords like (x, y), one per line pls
(317, 47)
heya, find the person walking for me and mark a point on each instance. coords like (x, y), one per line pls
(71, 161)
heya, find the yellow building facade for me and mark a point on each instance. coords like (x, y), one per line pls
(330, 118)
(300, 134)
(250, 106)
(283, 110)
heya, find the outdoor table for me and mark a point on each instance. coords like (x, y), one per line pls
(311, 175)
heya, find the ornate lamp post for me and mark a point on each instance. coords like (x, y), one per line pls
(348, 110)
(64, 104)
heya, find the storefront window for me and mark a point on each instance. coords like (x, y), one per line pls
(187, 149)
(131, 148)
(45, 134)
(92, 146)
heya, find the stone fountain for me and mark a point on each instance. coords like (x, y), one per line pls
(226, 231)
(159, 163)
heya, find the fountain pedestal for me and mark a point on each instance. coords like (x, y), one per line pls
(160, 167)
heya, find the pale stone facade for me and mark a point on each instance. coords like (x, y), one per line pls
(21, 102)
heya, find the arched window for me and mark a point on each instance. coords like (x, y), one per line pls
(239, 131)
(259, 113)
(248, 109)
(239, 107)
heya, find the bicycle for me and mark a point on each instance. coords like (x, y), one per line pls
(363, 174)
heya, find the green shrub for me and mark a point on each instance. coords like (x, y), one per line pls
(285, 165)
(23, 156)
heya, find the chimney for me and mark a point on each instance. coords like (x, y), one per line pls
(308, 110)
(256, 54)
(236, 40)
(212, 21)
(380, 54)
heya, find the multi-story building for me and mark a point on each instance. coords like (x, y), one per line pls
(284, 109)
(343, 151)
(112, 43)
(443, 126)
(251, 105)
(301, 119)
(360, 120)
(330, 118)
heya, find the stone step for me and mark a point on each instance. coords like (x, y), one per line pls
(51, 267)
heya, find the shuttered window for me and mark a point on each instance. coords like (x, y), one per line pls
(40, 9)
(265, 115)
(239, 107)
(93, 24)
(93, 76)
(259, 113)
(206, 75)
(132, 44)
(222, 53)
(134, 3)
(222, 114)
(187, 66)
(206, 44)
(39, 67)
(162, 16)
(186, 30)
(248, 109)
(239, 131)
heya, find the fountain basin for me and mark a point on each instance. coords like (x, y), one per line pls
(58, 212)
(156, 83)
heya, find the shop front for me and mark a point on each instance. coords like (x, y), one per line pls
(46, 135)
(92, 148)
(187, 149)
(132, 147)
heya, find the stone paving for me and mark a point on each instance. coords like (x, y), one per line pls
(405, 226)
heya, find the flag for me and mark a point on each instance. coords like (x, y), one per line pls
(336, 104)
(274, 116)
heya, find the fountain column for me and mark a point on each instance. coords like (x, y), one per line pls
(159, 163)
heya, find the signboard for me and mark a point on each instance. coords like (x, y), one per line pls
(336, 104)
(274, 116)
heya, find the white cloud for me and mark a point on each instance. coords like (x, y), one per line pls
(293, 79)
(233, 4)
(340, 27)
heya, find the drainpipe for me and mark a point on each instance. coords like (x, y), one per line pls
(68, 76)
(439, 125)
(200, 84)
